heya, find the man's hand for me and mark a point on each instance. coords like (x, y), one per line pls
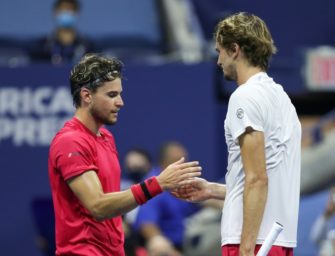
(194, 190)
(177, 174)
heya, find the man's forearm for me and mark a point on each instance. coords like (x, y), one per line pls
(254, 200)
(217, 190)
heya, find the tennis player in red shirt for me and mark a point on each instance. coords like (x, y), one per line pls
(84, 169)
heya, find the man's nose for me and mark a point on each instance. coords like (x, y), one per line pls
(120, 102)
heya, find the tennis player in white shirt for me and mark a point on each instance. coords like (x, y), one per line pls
(263, 135)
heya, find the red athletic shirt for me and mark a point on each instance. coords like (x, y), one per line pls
(73, 151)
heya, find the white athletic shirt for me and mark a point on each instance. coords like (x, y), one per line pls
(262, 104)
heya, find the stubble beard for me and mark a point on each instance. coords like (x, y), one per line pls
(231, 75)
(100, 118)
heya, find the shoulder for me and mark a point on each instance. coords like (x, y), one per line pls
(242, 96)
(70, 138)
(246, 101)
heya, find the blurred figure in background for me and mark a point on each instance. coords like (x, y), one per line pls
(321, 233)
(65, 44)
(137, 164)
(161, 222)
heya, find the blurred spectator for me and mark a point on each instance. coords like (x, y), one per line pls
(161, 222)
(321, 233)
(202, 232)
(65, 44)
(137, 164)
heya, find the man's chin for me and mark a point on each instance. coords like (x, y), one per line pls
(228, 78)
(111, 122)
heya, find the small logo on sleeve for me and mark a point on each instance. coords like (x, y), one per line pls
(72, 154)
(240, 113)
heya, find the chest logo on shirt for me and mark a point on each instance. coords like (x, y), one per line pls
(240, 113)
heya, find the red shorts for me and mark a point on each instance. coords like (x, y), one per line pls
(234, 250)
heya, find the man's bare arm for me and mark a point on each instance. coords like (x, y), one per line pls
(255, 188)
(88, 189)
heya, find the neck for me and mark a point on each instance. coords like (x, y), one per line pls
(244, 72)
(87, 119)
(66, 36)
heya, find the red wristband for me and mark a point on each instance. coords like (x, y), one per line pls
(138, 194)
(146, 190)
(153, 186)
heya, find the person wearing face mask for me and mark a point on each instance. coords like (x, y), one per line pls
(137, 164)
(65, 44)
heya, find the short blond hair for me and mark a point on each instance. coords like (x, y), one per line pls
(251, 34)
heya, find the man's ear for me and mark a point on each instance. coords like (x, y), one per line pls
(86, 95)
(235, 50)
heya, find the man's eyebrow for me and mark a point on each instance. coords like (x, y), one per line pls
(113, 91)
(217, 50)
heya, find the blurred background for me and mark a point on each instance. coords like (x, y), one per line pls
(173, 91)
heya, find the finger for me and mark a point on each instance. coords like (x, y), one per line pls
(186, 190)
(176, 194)
(179, 162)
(183, 192)
(190, 183)
(190, 169)
(188, 164)
(183, 179)
(187, 185)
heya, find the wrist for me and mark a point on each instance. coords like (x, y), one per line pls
(161, 182)
(146, 190)
(217, 191)
(210, 188)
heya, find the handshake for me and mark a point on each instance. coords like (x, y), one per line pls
(182, 180)
(178, 174)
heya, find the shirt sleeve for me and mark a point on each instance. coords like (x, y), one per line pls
(74, 156)
(244, 112)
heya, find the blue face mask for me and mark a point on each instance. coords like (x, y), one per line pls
(65, 19)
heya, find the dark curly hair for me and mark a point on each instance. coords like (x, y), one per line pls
(91, 72)
(74, 3)
(250, 33)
